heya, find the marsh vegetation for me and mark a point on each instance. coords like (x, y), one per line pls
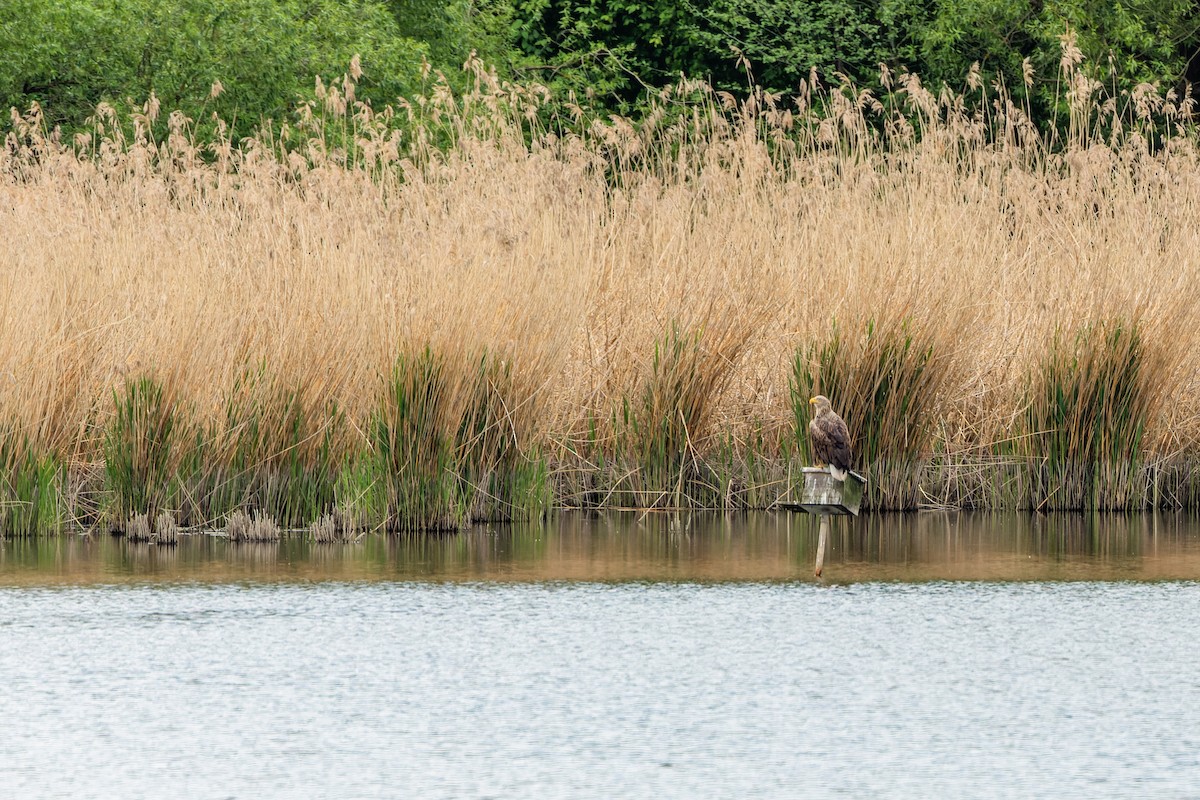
(467, 307)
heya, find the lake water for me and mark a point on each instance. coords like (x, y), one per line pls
(621, 656)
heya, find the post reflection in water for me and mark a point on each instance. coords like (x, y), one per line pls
(657, 547)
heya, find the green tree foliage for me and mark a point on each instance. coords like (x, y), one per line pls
(616, 47)
(70, 55)
(1122, 44)
(782, 39)
(452, 30)
(623, 46)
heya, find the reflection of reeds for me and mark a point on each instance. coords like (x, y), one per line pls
(597, 313)
(973, 540)
(254, 556)
(144, 558)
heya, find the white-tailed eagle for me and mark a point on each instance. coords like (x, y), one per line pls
(830, 438)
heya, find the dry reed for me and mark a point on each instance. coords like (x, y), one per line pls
(163, 530)
(216, 325)
(332, 528)
(244, 527)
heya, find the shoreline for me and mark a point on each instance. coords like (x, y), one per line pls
(83, 501)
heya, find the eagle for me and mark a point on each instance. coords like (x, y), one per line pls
(830, 438)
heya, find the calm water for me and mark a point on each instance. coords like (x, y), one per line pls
(944, 656)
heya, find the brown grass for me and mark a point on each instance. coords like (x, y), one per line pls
(242, 527)
(755, 227)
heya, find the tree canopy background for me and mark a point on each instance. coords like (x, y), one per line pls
(70, 55)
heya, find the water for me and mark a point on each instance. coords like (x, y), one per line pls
(611, 658)
(656, 547)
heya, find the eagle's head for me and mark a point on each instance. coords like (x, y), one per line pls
(822, 404)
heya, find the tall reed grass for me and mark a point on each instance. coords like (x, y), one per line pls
(31, 499)
(659, 442)
(1092, 398)
(480, 306)
(885, 378)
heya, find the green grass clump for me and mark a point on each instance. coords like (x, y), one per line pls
(447, 448)
(883, 381)
(661, 426)
(1090, 400)
(414, 446)
(31, 481)
(144, 448)
(503, 478)
(360, 495)
(275, 453)
(656, 423)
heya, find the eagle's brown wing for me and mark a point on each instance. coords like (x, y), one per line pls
(830, 440)
(821, 446)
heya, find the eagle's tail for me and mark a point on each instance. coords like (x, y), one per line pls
(838, 473)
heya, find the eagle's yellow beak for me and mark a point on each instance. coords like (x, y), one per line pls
(812, 400)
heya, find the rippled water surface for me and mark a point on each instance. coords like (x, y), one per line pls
(943, 656)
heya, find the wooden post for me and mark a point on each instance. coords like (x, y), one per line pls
(826, 496)
(821, 543)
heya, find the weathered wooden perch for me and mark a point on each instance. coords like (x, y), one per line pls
(825, 495)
